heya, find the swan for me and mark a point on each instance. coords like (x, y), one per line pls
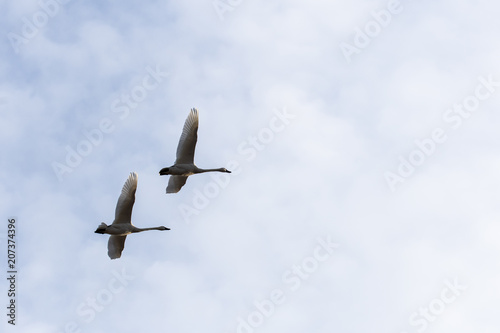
(184, 164)
(122, 225)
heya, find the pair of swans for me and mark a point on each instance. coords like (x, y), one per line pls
(183, 168)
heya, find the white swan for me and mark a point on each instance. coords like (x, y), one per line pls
(122, 225)
(184, 164)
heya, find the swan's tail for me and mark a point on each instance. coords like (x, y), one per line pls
(101, 228)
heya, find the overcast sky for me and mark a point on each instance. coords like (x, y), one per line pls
(363, 139)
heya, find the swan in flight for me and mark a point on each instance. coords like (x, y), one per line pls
(122, 225)
(184, 164)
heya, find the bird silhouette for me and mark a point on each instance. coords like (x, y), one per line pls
(122, 225)
(184, 164)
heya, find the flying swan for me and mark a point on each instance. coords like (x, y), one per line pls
(122, 225)
(184, 164)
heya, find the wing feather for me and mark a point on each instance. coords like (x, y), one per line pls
(175, 183)
(123, 212)
(115, 246)
(187, 142)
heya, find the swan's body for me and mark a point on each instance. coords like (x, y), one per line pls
(184, 164)
(122, 225)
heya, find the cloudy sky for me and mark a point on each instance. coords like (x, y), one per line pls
(363, 139)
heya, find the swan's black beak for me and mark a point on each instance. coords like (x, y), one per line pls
(228, 171)
(164, 172)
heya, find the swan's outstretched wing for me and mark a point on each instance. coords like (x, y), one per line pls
(123, 212)
(115, 246)
(187, 142)
(175, 183)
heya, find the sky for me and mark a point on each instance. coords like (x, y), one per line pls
(365, 188)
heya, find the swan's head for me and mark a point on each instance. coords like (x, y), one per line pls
(163, 228)
(101, 228)
(164, 171)
(225, 170)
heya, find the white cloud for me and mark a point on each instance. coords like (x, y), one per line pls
(322, 174)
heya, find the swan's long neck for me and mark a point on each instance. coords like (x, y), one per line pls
(198, 170)
(146, 229)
